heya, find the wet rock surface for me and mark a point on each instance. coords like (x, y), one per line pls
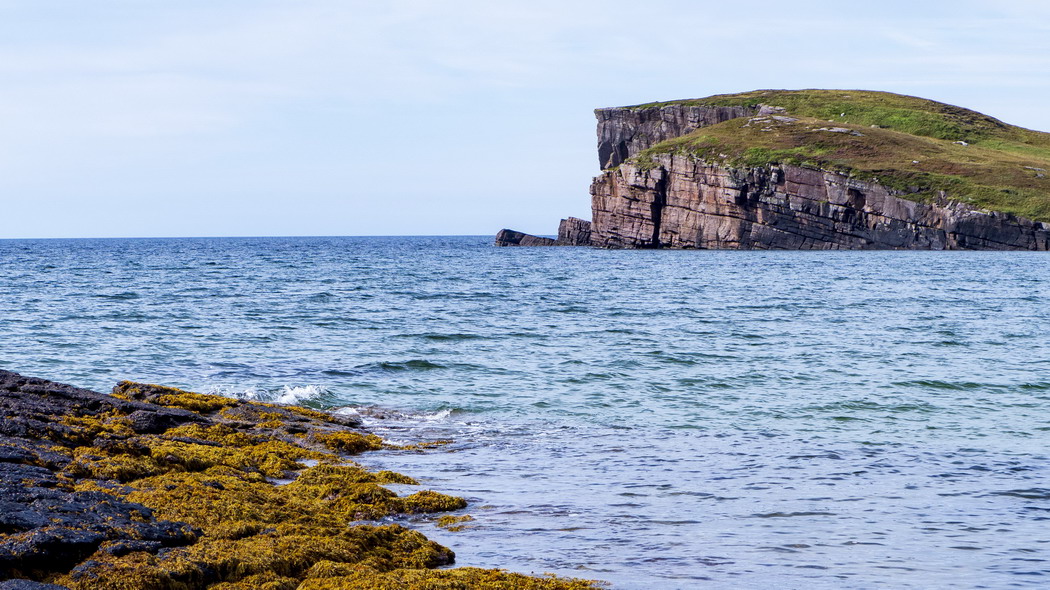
(155, 487)
(48, 526)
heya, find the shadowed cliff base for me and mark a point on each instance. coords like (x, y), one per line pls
(158, 488)
(818, 169)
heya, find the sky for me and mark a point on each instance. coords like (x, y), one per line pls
(139, 118)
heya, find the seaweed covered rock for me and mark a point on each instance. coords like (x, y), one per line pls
(158, 488)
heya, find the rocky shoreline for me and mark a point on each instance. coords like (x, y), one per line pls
(153, 487)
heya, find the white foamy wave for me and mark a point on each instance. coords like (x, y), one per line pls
(437, 416)
(294, 395)
(239, 392)
(286, 395)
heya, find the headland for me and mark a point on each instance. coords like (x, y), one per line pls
(816, 169)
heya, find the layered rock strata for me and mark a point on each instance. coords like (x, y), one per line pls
(681, 202)
(574, 231)
(623, 132)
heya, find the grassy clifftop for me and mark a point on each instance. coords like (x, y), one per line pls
(911, 144)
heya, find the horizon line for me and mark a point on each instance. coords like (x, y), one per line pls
(213, 237)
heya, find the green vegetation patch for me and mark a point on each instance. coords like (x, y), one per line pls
(911, 145)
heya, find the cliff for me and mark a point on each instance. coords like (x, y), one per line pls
(817, 169)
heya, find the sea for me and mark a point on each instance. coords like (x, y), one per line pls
(652, 419)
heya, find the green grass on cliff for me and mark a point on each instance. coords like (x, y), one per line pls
(906, 143)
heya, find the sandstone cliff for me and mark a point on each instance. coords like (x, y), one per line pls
(812, 169)
(685, 203)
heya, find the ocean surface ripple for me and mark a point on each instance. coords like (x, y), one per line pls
(656, 419)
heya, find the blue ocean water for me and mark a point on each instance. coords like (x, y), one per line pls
(656, 419)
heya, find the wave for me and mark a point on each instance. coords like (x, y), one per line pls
(287, 394)
(294, 395)
(443, 337)
(938, 384)
(125, 295)
(437, 416)
(411, 365)
(425, 365)
(871, 406)
(1027, 494)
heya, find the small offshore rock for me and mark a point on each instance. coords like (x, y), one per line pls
(572, 231)
(509, 237)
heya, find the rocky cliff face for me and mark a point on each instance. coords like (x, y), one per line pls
(623, 132)
(677, 201)
(574, 231)
(684, 203)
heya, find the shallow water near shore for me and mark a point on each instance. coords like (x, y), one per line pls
(655, 419)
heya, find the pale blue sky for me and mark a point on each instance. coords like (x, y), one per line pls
(340, 117)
